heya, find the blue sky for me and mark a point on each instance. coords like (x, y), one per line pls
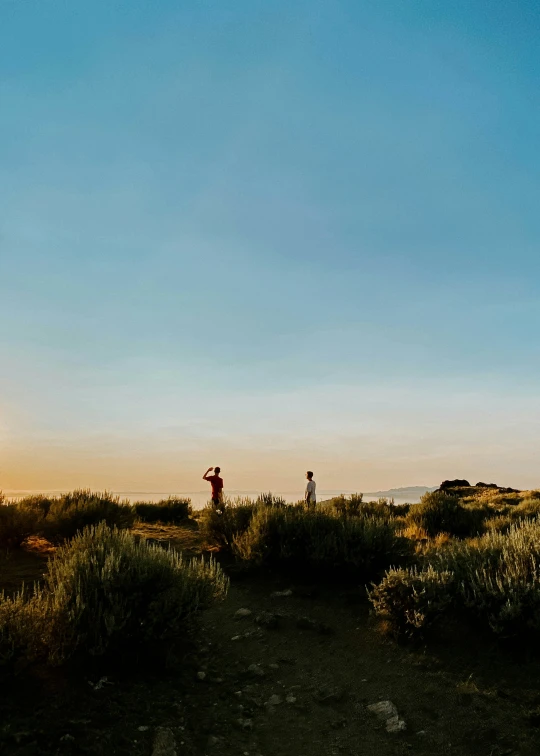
(269, 236)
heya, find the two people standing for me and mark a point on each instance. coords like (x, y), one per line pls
(216, 482)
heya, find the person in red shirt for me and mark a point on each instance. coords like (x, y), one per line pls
(217, 485)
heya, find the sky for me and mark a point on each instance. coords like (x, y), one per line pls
(271, 237)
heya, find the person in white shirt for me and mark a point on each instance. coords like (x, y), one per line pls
(310, 497)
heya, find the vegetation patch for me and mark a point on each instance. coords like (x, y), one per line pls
(17, 524)
(221, 525)
(173, 510)
(105, 591)
(72, 512)
(442, 512)
(300, 539)
(495, 577)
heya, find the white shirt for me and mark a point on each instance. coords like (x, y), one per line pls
(310, 489)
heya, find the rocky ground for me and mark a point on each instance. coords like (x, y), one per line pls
(284, 669)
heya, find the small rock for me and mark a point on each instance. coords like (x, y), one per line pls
(386, 711)
(291, 699)
(201, 675)
(383, 709)
(212, 740)
(164, 743)
(67, 738)
(273, 666)
(274, 700)
(267, 619)
(395, 724)
(143, 728)
(243, 613)
(237, 693)
(281, 594)
(256, 670)
(236, 637)
(245, 724)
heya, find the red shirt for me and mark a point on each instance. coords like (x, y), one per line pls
(217, 485)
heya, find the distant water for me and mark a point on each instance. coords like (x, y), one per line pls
(200, 498)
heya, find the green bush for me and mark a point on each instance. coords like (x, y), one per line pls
(354, 506)
(74, 511)
(441, 512)
(495, 577)
(499, 577)
(347, 506)
(270, 500)
(359, 547)
(16, 524)
(219, 527)
(171, 510)
(507, 516)
(106, 591)
(37, 503)
(22, 626)
(410, 601)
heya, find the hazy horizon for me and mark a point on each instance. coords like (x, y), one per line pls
(270, 237)
(200, 498)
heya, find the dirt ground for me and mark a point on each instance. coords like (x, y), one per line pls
(293, 677)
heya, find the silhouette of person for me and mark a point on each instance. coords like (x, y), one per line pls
(310, 496)
(217, 485)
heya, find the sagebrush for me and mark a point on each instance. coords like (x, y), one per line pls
(300, 539)
(495, 577)
(107, 591)
(71, 512)
(173, 510)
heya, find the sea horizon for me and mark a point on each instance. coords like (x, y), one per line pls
(406, 494)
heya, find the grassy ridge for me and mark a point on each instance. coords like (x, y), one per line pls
(473, 549)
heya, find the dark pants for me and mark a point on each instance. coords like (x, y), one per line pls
(216, 501)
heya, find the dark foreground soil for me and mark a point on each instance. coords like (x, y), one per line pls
(292, 678)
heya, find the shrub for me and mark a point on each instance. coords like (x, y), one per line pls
(495, 577)
(269, 500)
(171, 510)
(37, 503)
(106, 591)
(23, 626)
(441, 512)
(410, 601)
(359, 547)
(354, 505)
(499, 577)
(527, 509)
(347, 506)
(16, 524)
(219, 527)
(74, 511)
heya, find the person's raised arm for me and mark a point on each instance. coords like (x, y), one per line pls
(205, 476)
